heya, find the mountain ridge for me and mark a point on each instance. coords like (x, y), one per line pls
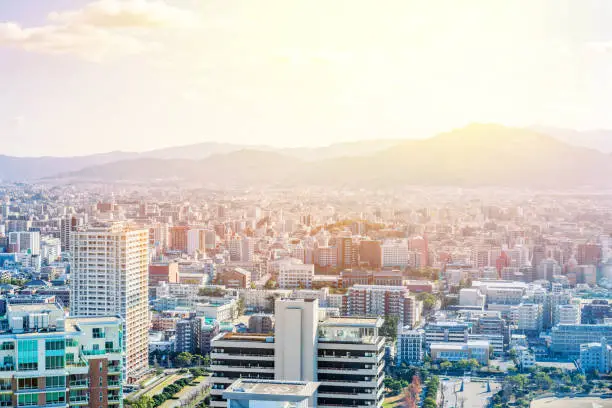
(476, 155)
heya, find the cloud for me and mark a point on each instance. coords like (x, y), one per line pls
(101, 30)
(126, 14)
(18, 122)
(600, 46)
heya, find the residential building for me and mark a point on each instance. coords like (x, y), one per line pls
(410, 346)
(49, 360)
(596, 357)
(109, 276)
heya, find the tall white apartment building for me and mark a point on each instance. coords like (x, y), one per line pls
(395, 253)
(294, 274)
(196, 240)
(109, 276)
(25, 241)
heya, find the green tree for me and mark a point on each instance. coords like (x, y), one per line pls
(184, 359)
(389, 328)
(446, 365)
(429, 300)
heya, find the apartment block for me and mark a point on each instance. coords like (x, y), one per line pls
(110, 274)
(49, 360)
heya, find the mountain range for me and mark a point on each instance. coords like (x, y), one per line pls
(476, 155)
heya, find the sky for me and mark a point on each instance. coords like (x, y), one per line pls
(80, 77)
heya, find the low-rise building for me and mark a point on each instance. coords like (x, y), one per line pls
(478, 350)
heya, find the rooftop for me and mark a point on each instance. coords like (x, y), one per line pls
(372, 322)
(270, 390)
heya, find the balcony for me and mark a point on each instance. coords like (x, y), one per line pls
(79, 400)
(114, 384)
(252, 368)
(100, 352)
(79, 384)
(116, 369)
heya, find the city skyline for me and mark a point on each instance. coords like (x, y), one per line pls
(85, 77)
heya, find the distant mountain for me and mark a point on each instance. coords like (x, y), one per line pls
(476, 155)
(29, 168)
(600, 139)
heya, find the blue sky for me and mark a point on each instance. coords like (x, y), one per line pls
(79, 77)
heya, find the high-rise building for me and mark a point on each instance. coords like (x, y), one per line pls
(345, 355)
(196, 241)
(567, 338)
(178, 238)
(24, 241)
(110, 276)
(53, 361)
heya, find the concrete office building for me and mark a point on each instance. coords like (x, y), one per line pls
(567, 338)
(110, 274)
(478, 350)
(49, 360)
(345, 355)
(293, 274)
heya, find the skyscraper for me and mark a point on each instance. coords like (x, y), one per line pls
(110, 276)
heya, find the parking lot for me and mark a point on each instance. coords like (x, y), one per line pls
(474, 394)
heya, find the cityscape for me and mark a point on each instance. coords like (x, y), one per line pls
(308, 204)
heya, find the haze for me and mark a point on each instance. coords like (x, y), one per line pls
(79, 77)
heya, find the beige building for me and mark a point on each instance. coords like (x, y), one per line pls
(110, 276)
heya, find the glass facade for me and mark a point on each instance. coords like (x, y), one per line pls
(27, 355)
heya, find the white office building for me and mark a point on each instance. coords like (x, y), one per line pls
(294, 274)
(410, 346)
(395, 253)
(345, 355)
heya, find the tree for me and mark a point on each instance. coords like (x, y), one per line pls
(144, 402)
(184, 359)
(446, 365)
(429, 300)
(389, 328)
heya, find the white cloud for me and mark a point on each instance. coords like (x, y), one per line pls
(101, 30)
(125, 14)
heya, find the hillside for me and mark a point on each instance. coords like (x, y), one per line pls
(476, 155)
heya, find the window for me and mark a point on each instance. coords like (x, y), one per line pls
(69, 358)
(27, 355)
(108, 345)
(27, 383)
(71, 342)
(55, 397)
(54, 362)
(27, 400)
(101, 396)
(55, 382)
(53, 345)
(8, 345)
(98, 333)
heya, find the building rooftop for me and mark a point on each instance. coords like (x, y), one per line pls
(372, 322)
(262, 337)
(271, 390)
